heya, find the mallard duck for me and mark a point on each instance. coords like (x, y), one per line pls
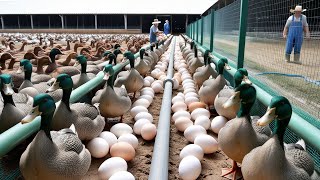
(142, 66)
(52, 66)
(154, 56)
(270, 161)
(114, 101)
(15, 106)
(83, 77)
(203, 73)
(132, 80)
(187, 51)
(237, 138)
(211, 87)
(56, 154)
(195, 62)
(240, 76)
(4, 57)
(88, 123)
(27, 85)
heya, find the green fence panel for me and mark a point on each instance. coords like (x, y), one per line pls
(207, 31)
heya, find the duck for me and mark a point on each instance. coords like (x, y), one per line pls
(211, 87)
(142, 66)
(15, 106)
(27, 85)
(153, 55)
(203, 73)
(241, 76)
(271, 161)
(131, 79)
(52, 154)
(195, 62)
(88, 123)
(69, 60)
(237, 138)
(52, 65)
(4, 57)
(187, 51)
(83, 77)
(113, 101)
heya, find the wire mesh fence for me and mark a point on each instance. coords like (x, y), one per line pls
(265, 49)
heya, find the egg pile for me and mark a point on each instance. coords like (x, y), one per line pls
(191, 117)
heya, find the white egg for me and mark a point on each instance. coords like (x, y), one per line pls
(154, 73)
(192, 150)
(147, 92)
(148, 131)
(157, 87)
(122, 175)
(203, 121)
(184, 77)
(177, 99)
(207, 143)
(189, 168)
(147, 89)
(188, 85)
(109, 137)
(217, 123)
(192, 89)
(193, 131)
(200, 112)
(138, 125)
(179, 106)
(183, 123)
(179, 114)
(120, 129)
(144, 115)
(146, 83)
(175, 83)
(111, 166)
(189, 100)
(192, 94)
(147, 97)
(98, 147)
(129, 138)
(137, 109)
(150, 79)
(180, 94)
(187, 81)
(141, 102)
(123, 150)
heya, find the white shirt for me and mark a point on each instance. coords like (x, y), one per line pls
(304, 20)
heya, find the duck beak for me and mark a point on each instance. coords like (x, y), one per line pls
(20, 70)
(31, 116)
(234, 99)
(106, 76)
(268, 117)
(246, 80)
(226, 66)
(76, 64)
(53, 87)
(7, 89)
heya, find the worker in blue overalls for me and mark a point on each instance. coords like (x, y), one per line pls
(296, 25)
(166, 28)
(154, 31)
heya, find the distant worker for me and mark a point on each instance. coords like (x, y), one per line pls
(166, 28)
(296, 25)
(154, 31)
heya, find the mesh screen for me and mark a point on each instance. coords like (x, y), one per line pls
(206, 30)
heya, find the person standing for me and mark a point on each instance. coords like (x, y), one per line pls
(293, 32)
(166, 28)
(154, 31)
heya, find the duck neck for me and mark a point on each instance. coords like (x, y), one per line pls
(84, 68)
(66, 97)
(131, 63)
(151, 48)
(237, 83)
(68, 46)
(7, 99)
(220, 69)
(280, 129)
(53, 58)
(195, 52)
(110, 81)
(244, 110)
(46, 123)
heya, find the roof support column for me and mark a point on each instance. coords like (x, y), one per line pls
(95, 21)
(18, 22)
(31, 21)
(62, 21)
(187, 21)
(125, 21)
(2, 23)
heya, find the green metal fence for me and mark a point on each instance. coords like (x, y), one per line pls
(249, 34)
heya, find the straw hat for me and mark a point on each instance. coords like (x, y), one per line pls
(156, 21)
(298, 8)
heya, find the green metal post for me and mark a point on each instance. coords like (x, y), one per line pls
(212, 31)
(201, 30)
(242, 32)
(197, 29)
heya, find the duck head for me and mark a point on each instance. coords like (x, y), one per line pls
(279, 110)
(131, 58)
(108, 71)
(64, 82)
(116, 46)
(206, 58)
(245, 95)
(26, 67)
(44, 106)
(222, 64)
(53, 53)
(7, 84)
(141, 52)
(106, 53)
(116, 52)
(241, 76)
(83, 61)
(191, 45)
